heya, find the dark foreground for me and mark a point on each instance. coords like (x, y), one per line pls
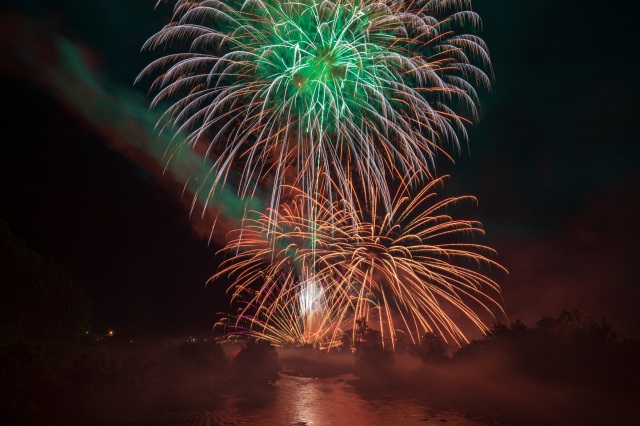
(505, 379)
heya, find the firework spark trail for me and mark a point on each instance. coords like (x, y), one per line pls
(320, 95)
(414, 269)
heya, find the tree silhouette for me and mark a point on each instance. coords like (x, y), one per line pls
(39, 298)
(256, 362)
(432, 347)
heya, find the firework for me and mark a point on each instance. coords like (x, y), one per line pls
(415, 269)
(333, 112)
(271, 262)
(335, 97)
(291, 318)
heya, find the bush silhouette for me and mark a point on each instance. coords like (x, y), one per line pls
(256, 362)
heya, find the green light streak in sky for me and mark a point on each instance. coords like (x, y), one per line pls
(126, 123)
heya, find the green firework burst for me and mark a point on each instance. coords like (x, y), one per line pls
(335, 97)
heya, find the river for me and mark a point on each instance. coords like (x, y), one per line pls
(305, 401)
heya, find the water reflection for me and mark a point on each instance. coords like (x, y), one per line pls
(304, 401)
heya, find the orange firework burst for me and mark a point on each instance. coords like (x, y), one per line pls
(413, 268)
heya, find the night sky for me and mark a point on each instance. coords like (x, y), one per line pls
(552, 162)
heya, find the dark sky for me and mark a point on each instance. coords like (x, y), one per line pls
(552, 161)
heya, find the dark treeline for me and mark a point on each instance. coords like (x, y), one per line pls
(39, 298)
(571, 347)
